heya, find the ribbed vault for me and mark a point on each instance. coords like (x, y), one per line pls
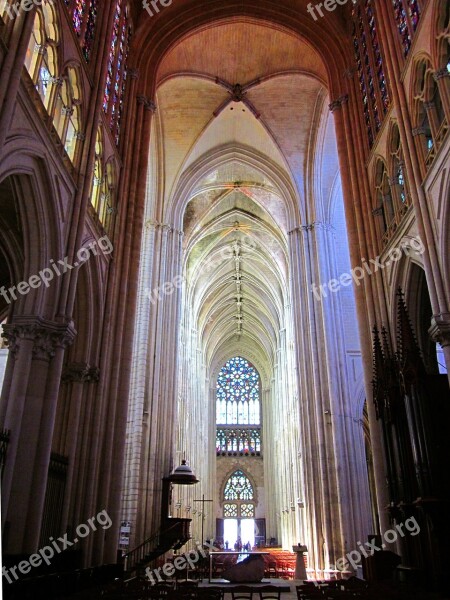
(243, 170)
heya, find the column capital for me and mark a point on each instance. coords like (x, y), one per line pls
(166, 227)
(440, 329)
(441, 73)
(338, 103)
(418, 131)
(58, 81)
(133, 73)
(46, 336)
(324, 226)
(146, 102)
(80, 372)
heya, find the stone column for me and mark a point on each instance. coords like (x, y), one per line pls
(321, 495)
(75, 376)
(366, 310)
(157, 339)
(12, 67)
(38, 346)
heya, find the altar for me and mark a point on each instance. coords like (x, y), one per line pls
(230, 553)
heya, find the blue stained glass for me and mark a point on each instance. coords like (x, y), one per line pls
(78, 12)
(377, 53)
(237, 393)
(90, 30)
(112, 56)
(407, 16)
(401, 183)
(362, 86)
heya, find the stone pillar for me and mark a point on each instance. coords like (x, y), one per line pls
(37, 347)
(321, 496)
(75, 376)
(154, 409)
(12, 67)
(366, 310)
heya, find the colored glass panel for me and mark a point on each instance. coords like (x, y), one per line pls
(237, 393)
(238, 487)
(407, 16)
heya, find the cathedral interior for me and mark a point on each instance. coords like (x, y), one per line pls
(224, 296)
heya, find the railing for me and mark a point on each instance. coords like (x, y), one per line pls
(175, 536)
(54, 497)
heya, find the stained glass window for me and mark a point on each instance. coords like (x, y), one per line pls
(230, 510)
(234, 441)
(407, 15)
(238, 409)
(397, 168)
(116, 75)
(60, 92)
(237, 392)
(103, 185)
(247, 511)
(430, 122)
(41, 56)
(84, 19)
(370, 67)
(238, 487)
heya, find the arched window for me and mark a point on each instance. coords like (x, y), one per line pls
(60, 94)
(238, 412)
(397, 169)
(442, 73)
(67, 119)
(41, 58)
(407, 15)
(369, 62)
(117, 69)
(238, 496)
(238, 487)
(103, 184)
(429, 115)
(384, 205)
(84, 19)
(443, 35)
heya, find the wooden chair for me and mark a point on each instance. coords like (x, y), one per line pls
(268, 592)
(187, 590)
(272, 570)
(205, 594)
(308, 592)
(160, 591)
(242, 592)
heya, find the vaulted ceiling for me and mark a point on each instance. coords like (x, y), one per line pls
(246, 142)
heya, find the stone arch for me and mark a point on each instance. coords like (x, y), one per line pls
(247, 473)
(38, 202)
(220, 157)
(154, 45)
